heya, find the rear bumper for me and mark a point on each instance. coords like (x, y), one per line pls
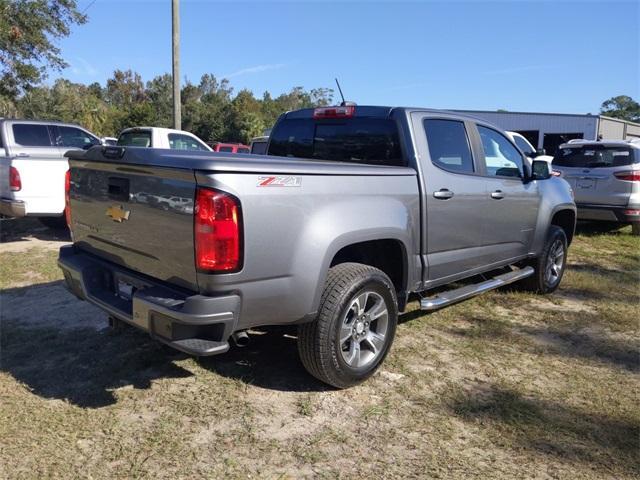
(608, 213)
(12, 208)
(195, 324)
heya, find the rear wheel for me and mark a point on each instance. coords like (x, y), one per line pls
(354, 328)
(549, 266)
(635, 228)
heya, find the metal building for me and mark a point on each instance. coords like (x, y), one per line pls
(549, 130)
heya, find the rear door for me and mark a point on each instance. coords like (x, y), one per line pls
(591, 169)
(454, 190)
(41, 166)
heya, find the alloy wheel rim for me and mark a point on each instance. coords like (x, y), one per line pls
(363, 329)
(555, 263)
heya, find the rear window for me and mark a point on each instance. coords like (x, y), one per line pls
(259, 148)
(244, 150)
(594, 156)
(225, 149)
(135, 139)
(359, 140)
(30, 135)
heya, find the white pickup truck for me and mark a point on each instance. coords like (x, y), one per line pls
(33, 167)
(156, 137)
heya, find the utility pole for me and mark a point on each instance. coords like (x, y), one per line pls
(175, 23)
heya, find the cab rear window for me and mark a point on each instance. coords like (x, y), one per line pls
(358, 140)
(594, 156)
(135, 139)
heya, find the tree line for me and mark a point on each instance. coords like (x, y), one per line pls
(209, 108)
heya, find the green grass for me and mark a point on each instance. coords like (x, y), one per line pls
(505, 385)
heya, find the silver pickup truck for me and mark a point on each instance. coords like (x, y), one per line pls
(353, 209)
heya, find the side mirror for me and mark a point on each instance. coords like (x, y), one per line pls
(540, 170)
(540, 151)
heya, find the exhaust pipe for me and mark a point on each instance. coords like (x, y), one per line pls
(241, 339)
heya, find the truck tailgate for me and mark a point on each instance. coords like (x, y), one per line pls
(137, 216)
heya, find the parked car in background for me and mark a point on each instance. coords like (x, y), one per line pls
(231, 147)
(365, 206)
(528, 149)
(259, 145)
(605, 176)
(156, 137)
(33, 167)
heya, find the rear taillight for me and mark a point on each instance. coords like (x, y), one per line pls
(15, 184)
(346, 111)
(632, 212)
(67, 189)
(629, 176)
(217, 231)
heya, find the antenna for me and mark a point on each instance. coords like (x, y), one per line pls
(340, 90)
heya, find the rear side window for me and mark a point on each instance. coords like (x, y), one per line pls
(225, 149)
(594, 156)
(31, 135)
(448, 145)
(74, 137)
(135, 139)
(359, 140)
(178, 141)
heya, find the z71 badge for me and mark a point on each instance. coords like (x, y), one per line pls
(279, 181)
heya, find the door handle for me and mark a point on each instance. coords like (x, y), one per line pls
(497, 195)
(443, 194)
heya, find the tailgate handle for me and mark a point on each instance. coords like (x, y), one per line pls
(119, 188)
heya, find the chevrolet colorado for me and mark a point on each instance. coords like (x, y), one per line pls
(353, 209)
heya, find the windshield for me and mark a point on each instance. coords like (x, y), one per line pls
(135, 139)
(360, 140)
(594, 156)
(524, 146)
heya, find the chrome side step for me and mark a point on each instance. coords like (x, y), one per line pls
(449, 297)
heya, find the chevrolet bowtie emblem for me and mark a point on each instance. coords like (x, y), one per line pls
(117, 213)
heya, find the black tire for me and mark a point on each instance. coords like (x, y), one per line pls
(540, 281)
(635, 229)
(321, 351)
(55, 223)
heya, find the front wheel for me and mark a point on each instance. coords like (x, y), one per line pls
(549, 266)
(354, 328)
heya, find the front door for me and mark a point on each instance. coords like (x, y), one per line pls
(510, 205)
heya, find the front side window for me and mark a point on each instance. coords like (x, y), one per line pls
(448, 145)
(178, 141)
(501, 158)
(74, 138)
(594, 156)
(31, 135)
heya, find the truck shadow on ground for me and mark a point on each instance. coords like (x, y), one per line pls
(73, 360)
(21, 229)
(551, 428)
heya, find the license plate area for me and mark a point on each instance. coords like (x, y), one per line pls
(586, 183)
(125, 287)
